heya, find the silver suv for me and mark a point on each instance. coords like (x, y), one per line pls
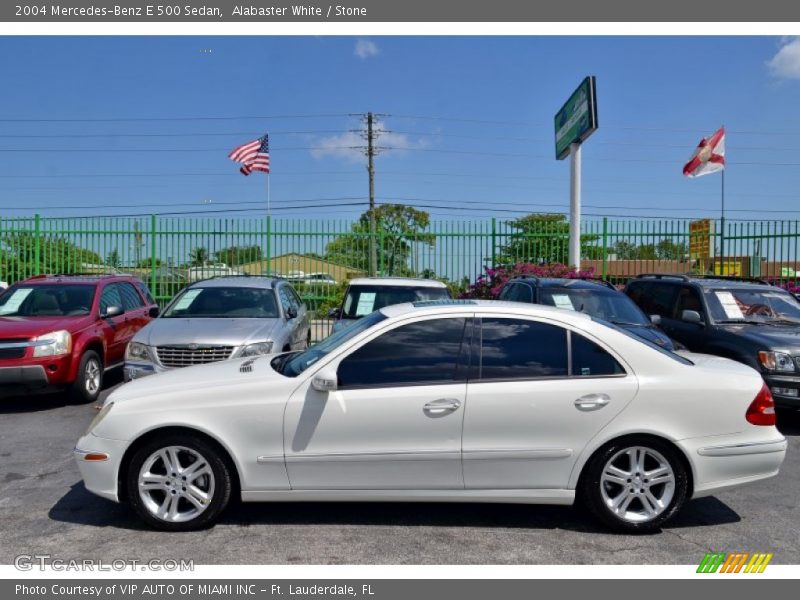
(218, 319)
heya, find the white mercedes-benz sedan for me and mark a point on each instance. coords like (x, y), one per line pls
(452, 401)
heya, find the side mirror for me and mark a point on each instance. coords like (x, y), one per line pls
(655, 319)
(154, 312)
(112, 311)
(691, 316)
(325, 381)
(291, 313)
(334, 313)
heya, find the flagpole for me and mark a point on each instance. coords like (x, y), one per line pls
(269, 229)
(723, 263)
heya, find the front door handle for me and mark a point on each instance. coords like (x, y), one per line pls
(592, 401)
(442, 406)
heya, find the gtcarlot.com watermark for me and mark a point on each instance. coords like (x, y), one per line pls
(45, 562)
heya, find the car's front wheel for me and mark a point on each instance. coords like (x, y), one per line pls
(178, 482)
(635, 485)
(89, 380)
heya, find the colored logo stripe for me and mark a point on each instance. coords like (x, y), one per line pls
(735, 562)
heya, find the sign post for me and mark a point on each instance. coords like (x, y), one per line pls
(575, 122)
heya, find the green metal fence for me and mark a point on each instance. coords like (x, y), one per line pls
(320, 255)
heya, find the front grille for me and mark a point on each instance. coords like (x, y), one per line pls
(183, 356)
(12, 352)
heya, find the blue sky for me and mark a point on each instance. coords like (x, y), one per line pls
(469, 123)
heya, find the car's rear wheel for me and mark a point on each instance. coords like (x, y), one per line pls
(635, 485)
(89, 379)
(178, 483)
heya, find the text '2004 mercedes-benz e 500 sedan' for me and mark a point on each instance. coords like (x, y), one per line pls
(458, 401)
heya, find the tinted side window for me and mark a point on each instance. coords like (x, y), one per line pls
(590, 360)
(286, 299)
(654, 298)
(688, 299)
(110, 297)
(507, 293)
(426, 352)
(130, 297)
(145, 292)
(517, 349)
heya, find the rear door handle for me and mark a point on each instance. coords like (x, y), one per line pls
(442, 406)
(592, 401)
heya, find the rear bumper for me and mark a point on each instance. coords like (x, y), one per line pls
(721, 464)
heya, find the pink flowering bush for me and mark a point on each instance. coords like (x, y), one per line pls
(489, 284)
(790, 286)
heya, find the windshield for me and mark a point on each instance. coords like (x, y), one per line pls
(57, 300)
(607, 305)
(753, 305)
(666, 352)
(223, 302)
(361, 300)
(291, 365)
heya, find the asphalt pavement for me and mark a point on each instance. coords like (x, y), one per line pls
(44, 509)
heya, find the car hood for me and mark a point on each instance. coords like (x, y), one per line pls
(222, 332)
(179, 383)
(28, 327)
(651, 334)
(768, 336)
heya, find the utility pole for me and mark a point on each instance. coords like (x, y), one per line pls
(373, 251)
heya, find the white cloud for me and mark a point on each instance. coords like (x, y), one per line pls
(366, 49)
(786, 63)
(352, 145)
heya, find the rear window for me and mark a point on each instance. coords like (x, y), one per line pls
(361, 300)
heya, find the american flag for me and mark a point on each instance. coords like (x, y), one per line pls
(254, 155)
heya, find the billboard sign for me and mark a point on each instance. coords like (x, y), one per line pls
(577, 119)
(701, 239)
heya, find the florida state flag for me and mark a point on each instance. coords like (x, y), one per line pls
(709, 157)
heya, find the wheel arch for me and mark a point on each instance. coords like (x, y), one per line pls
(90, 343)
(579, 471)
(151, 434)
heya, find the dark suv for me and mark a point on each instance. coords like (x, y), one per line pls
(594, 297)
(749, 321)
(64, 331)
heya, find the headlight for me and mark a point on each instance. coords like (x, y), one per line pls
(99, 417)
(256, 349)
(54, 343)
(776, 361)
(137, 351)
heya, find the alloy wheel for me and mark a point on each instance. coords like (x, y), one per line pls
(176, 484)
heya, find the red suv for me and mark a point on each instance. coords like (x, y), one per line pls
(64, 331)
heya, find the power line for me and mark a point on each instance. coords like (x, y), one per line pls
(162, 119)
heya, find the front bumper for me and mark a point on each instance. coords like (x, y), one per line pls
(724, 462)
(100, 477)
(30, 375)
(785, 390)
(137, 370)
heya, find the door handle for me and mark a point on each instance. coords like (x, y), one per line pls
(592, 401)
(442, 406)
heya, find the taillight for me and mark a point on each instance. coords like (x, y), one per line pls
(762, 409)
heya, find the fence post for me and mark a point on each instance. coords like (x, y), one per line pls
(605, 247)
(269, 245)
(494, 242)
(153, 253)
(381, 252)
(37, 244)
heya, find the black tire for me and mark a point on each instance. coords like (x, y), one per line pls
(222, 482)
(591, 490)
(81, 390)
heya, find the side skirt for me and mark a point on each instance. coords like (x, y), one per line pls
(562, 497)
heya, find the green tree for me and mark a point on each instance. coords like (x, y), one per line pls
(668, 250)
(113, 260)
(398, 229)
(198, 256)
(239, 255)
(146, 263)
(56, 255)
(541, 238)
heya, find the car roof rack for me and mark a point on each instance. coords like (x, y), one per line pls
(679, 276)
(757, 280)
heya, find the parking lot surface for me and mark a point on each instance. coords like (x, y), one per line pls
(44, 509)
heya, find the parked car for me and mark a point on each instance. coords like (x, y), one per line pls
(460, 401)
(367, 294)
(210, 270)
(596, 298)
(218, 319)
(65, 331)
(749, 321)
